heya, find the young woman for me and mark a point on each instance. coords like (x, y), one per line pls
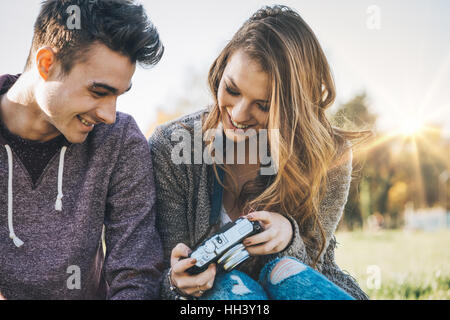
(273, 76)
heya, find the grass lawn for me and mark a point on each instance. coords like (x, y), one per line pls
(397, 264)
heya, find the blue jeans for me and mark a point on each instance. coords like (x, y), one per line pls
(281, 279)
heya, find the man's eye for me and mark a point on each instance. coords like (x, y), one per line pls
(231, 92)
(100, 94)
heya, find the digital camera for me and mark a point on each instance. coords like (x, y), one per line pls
(225, 246)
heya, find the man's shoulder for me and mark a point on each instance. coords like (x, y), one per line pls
(120, 140)
(7, 81)
(122, 120)
(124, 125)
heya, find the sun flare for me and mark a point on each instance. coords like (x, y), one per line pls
(411, 126)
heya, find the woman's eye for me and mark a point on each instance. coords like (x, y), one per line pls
(231, 92)
(264, 108)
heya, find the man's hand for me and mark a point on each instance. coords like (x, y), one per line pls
(2, 297)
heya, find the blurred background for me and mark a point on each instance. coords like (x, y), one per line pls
(391, 64)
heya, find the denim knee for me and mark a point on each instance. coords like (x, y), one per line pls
(280, 269)
(288, 278)
(234, 285)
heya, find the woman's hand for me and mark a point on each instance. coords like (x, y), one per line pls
(187, 284)
(275, 237)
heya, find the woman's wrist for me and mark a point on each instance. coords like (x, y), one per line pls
(292, 223)
(173, 288)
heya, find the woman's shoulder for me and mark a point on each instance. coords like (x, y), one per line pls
(339, 178)
(342, 164)
(187, 122)
(345, 143)
(178, 139)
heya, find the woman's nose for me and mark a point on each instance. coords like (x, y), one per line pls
(241, 111)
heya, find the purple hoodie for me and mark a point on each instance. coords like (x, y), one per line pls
(50, 235)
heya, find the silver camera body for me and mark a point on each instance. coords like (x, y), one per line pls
(225, 246)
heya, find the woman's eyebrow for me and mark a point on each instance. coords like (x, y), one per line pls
(232, 82)
(234, 85)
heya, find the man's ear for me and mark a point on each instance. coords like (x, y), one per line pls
(45, 61)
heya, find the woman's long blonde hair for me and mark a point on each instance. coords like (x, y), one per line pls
(302, 88)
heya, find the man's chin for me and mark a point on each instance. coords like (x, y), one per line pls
(76, 138)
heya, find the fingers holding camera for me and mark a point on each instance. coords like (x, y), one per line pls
(196, 285)
(265, 218)
(276, 236)
(180, 251)
(192, 285)
(267, 242)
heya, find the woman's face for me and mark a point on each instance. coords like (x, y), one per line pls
(243, 97)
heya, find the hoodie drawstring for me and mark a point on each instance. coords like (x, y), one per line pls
(12, 235)
(58, 204)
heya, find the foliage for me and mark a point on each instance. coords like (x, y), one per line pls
(392, 169)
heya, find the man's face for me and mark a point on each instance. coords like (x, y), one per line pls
(87, 95)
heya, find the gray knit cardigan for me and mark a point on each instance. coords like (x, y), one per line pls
(184, 193)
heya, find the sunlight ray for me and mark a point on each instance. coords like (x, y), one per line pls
(418, 174)
(382, 139)
(436, 83)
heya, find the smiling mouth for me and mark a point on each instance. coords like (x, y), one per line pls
(85, 122)
(237, 125)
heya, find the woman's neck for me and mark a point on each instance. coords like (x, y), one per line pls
(241, 173)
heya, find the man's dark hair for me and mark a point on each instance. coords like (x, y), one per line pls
(121, 25)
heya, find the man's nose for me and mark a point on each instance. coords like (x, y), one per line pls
(106, 113)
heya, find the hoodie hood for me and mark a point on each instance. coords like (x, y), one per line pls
(6, 82)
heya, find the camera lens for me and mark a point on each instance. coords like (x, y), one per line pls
(233, 257)
(236, 260)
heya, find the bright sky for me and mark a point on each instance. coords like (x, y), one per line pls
(397, 51)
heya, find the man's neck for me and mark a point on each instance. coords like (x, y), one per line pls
(22, 115)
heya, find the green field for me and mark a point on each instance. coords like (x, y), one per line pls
(408, 264)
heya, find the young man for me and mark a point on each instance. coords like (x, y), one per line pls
(70, 164)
